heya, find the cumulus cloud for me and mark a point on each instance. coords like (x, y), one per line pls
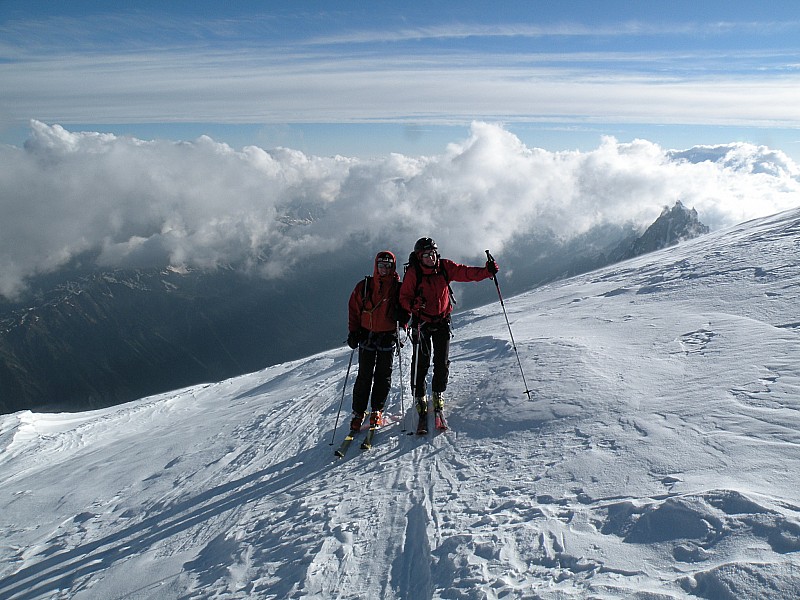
(204, 204)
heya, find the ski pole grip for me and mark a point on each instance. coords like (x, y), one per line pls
(490, 258)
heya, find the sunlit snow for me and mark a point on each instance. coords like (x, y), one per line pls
(657, 459)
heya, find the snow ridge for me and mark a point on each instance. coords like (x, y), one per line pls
(654, 462)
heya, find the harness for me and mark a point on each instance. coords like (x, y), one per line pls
(377, 341)
(366, 298)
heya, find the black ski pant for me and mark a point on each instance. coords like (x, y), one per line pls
(374, 375)
(434, 337)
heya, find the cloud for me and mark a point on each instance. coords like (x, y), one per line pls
(204, 204)
(629, 28)
(253, 86)
(274, 67)
(128, 68)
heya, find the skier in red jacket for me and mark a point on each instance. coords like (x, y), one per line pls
(426, 295)
(373, 317)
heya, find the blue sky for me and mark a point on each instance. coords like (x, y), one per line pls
(366, 79)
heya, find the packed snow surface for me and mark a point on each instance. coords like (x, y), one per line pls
(657, 458)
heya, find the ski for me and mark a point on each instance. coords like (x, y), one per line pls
(367, 443)
(342, 450)
(441, 422)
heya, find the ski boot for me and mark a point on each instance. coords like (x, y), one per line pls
(438, 411)
(422, 410)
(356, 421)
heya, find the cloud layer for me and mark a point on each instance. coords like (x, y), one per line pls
(204, 204)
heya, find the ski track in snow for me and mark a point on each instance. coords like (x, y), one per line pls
(657, 459)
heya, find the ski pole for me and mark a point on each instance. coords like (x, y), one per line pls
(402, 383)
(513, 343)
(341, 402)
(415, 367)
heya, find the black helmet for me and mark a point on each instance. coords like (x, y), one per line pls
(425, 243)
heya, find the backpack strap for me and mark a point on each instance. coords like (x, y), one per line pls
(443, 271)
(365, 293)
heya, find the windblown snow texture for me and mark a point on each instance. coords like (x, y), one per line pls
(657, 460)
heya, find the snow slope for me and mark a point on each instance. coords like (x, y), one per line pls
(658, 458)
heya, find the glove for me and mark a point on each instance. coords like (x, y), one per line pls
(492, 267)
(353, 338)
(418, 304)
(402, 318)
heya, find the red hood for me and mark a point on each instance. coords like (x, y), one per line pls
(393, 274)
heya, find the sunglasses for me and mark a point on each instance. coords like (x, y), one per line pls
(431, 254)
(385, 263)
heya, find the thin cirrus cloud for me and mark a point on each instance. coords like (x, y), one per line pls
(631, 28)
(228, 87)
(138, 68)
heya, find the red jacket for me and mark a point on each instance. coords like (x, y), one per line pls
(432, 287)
(378, 310)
